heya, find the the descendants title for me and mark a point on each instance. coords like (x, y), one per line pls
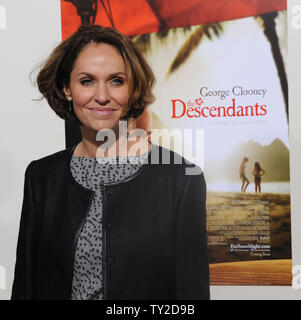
(196, 109)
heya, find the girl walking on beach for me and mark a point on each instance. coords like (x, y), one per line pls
(257, 173)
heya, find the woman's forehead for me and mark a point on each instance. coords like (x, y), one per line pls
(99, 57)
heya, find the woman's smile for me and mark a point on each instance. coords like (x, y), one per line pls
(102, 111)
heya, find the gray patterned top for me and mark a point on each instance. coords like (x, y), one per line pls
(93, 174)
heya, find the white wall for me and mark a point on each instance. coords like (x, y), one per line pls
(30, 130)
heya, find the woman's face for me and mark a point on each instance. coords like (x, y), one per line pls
(99, 87)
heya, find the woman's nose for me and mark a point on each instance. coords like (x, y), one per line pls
(102, 94)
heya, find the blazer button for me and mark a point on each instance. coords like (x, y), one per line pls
(110, 260)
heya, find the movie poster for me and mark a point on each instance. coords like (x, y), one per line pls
(223, 82)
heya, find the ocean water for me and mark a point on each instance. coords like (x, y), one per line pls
(270, 187)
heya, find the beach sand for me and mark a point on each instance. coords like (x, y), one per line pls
(259, 273)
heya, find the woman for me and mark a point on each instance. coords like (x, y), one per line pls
(91, 229)
(258, 172)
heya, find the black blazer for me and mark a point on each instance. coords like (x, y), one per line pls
(154, 226)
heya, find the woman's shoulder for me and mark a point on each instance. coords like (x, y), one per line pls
(50, 162)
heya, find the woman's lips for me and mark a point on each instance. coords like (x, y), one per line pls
(102, 110)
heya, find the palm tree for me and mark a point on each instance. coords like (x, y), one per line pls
(194, 39)
(267, 22)
(192, 42)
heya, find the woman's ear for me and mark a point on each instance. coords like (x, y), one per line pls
(67, 94)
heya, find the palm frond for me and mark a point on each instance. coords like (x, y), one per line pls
(162, 34)
(193, 42)
(143, 42)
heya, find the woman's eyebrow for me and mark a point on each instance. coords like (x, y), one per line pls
(85, 73)
(112, 74)
(118, 73)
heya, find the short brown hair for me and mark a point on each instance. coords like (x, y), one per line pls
(55, 72)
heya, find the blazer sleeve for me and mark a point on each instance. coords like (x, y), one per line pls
(192, 268)
(22, 284)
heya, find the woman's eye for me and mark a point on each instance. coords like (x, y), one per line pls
(86, 82)
(117, 81)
